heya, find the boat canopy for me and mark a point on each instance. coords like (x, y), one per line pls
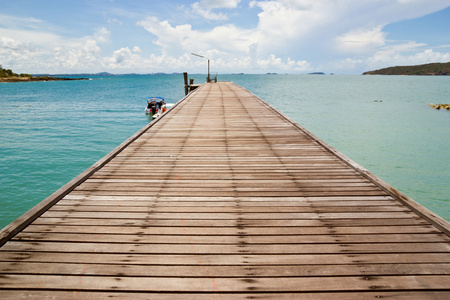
(150, 99)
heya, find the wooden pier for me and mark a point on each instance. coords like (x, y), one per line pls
(225, 198)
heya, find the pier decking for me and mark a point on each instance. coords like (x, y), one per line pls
(225, 198)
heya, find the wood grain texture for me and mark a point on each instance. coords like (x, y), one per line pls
(223, 197)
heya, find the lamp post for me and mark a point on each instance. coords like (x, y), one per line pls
(207, 78)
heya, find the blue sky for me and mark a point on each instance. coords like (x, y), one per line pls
(248, 36)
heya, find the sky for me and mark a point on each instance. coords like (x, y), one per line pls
(238, 36)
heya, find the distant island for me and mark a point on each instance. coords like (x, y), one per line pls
(316, 73)
(105, 74)
(6, 75)
(79, 74)
(427, 69)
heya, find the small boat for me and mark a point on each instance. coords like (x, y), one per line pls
(156, 106)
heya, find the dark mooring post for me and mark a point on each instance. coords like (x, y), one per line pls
(186, 86)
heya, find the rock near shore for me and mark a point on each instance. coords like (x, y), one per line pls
(439, 106)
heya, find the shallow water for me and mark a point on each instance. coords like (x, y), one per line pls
(52, 131)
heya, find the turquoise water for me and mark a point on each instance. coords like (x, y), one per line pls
(52, 131)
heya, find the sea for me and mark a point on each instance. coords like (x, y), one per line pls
(52, 131)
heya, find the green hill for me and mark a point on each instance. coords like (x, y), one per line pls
(6, 75)
(427, 69)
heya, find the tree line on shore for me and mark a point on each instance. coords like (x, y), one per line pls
(7, 75)
(426, 69)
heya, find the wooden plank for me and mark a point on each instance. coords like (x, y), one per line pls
(242, 193)
(335, 200)
(231, 230)
(246, 259)
(208, 284)
(230, 209)
(126, 270)
(179, 203)
(400, 295)
(151, 214)
(188, 247)
(144, 223)
(142, 183)
(243, 237)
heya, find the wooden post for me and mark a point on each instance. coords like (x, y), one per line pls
(186, 86)
(208, 79)
(191, 83)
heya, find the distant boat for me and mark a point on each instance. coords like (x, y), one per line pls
(155, 107)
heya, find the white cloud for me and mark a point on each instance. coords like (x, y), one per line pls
(15, 53)
(115, 21)
(173, 40)
(136, 49)
(78, 55)
(361, 40)
(19, 22)
(39, 39)
(303, 30)
(385, 59)
(9, 44)
(212, 4)
(42, 52)
(102, 35)
(276, 63)
(286, 21)
(207, 13)
(397, 55)
(83, 57)
(181, 39)
(292, 24)
(120, 56)
(204, 8)
(283, 36)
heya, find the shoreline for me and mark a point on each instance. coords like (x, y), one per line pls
(40, 78)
